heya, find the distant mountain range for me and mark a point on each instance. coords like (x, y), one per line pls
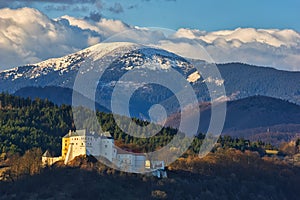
(54, 79)
(255, 118)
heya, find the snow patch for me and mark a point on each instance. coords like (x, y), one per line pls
(193, 77)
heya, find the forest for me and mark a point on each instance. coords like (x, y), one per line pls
(225, 174)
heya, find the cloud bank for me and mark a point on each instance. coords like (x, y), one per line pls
(28, 36)
(267, 47)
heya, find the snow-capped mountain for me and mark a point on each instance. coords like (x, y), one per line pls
(240, 80)
(62, 71)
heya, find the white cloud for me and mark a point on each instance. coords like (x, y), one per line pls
(93, 40)
(28, 36)
(104, 27)
(185, 48)
(267, 47)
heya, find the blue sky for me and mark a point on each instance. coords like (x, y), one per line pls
(209, 15)
(216, 14)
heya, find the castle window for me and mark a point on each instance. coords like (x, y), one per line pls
(105, 146)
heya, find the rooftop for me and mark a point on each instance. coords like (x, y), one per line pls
(273, 152)
(84, 132)
(47, 154)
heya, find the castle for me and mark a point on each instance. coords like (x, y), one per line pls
(82, 142)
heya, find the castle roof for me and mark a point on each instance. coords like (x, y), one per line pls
(47, 154)
(84, 132)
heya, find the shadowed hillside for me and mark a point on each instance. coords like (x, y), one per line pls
(253, 116)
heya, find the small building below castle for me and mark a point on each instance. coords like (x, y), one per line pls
(47, 159)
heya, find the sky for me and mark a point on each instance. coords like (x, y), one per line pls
(209, 15)
(264, 33)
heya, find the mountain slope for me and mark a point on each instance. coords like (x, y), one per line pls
(258, 118)
(242, 80)
(58, 95)
(260, 111)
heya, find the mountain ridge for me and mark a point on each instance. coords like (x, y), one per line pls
(256, 118)
(241, 80)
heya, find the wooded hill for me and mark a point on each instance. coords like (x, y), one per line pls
(26, 123)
